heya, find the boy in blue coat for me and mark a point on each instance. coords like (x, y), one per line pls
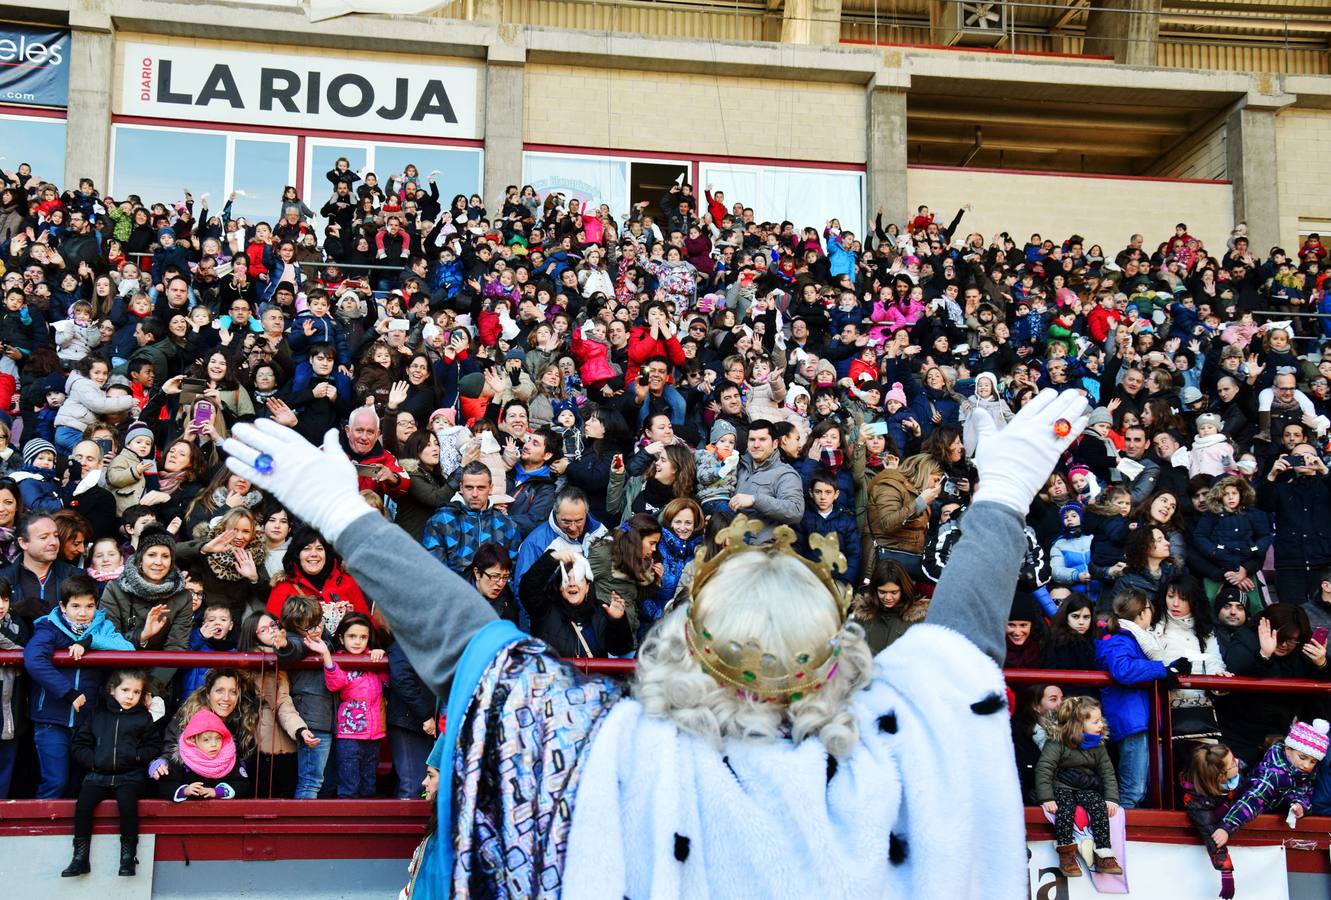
(825, 518)
(317, 325)
(60, 696)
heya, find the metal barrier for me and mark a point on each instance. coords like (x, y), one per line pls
(1160, 789)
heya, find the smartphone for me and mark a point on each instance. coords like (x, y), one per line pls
(1320, 635)
(105, 445)
(1293, 460)
(365, 471)
(879, 428)
(203, 412)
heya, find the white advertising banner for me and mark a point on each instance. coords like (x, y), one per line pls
(1165, 871)
(292, 91)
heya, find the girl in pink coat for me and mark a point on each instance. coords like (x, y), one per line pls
(360, 712)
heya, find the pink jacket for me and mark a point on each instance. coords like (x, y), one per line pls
(360, 715)
(593, 360)
(896, 315)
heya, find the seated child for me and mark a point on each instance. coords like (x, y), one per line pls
(1074, 770)
(1212, 453)
(45, 429)
(134, 470)
(1283, 778)
(717, 464)
(60, 695)
(113, 745)
(203, 765)
(568, 425)
(1070, 557)
(76, 336)
(36, 479)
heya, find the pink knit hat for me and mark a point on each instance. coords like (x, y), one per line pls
(1309, 738)
(897, 393)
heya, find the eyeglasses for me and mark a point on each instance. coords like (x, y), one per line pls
(496, 577)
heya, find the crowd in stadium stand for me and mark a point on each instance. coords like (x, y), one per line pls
(562, 407)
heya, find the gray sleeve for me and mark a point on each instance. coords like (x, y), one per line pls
(786, 505)
(433, 612)
(974, 595)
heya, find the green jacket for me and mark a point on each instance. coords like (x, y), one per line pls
(1058, 756)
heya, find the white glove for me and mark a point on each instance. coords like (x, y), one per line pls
(318, 486)
(1015, 463)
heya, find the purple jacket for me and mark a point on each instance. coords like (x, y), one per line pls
(1273, 783)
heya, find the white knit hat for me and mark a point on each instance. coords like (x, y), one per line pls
(1309, 739)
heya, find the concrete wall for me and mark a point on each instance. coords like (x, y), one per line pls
(1204, 158)
(1106, 211)
(1303, 142)
(685, 113)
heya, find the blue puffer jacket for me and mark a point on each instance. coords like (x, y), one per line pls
(54, 690)
(1070, 557)
(1127, 707)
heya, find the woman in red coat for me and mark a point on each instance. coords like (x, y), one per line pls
(310, 569)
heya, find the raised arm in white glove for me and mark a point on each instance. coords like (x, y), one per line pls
(1015, 463)
(318, 485)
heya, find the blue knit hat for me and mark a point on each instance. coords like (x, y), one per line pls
(34, 447)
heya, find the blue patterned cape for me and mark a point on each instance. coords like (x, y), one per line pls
(519, 723)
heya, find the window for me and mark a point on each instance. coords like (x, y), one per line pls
(159, 164)
(589, 179)
(38, 142)
(458, 168)
(260, 171)
(806, 197)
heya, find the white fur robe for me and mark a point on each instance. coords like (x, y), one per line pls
(928, 806)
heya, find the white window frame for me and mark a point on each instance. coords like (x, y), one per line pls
(229, 160)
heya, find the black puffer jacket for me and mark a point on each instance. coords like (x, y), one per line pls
(553, 618)
(117, 743)
(1300, 506)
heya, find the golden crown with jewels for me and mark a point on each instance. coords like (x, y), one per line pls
(747, 666)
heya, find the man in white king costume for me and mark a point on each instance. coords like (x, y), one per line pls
(759, 750)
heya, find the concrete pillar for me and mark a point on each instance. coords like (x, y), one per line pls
(812, 22)
(1250, 151)
(885, 169)
(91, 63)
(1128, 30)
(504, 114)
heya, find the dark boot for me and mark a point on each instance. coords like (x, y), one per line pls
(128, 847)
(1067, 860)
(79, 865)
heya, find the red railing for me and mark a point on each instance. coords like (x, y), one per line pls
(1160, 789)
